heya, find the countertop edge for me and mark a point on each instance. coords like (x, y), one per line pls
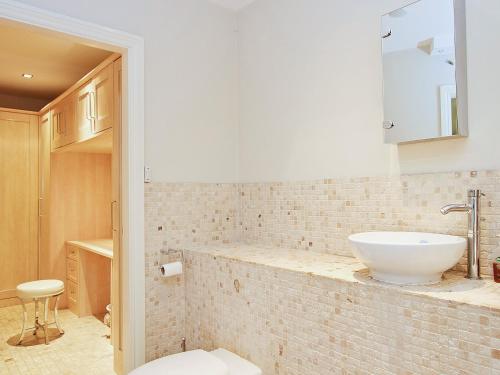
(93, 247)
(221, 252)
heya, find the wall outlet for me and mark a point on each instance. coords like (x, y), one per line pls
(147, 174)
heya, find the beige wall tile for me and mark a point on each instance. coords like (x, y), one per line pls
(319, 330)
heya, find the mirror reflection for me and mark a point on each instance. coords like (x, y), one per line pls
(419, 67)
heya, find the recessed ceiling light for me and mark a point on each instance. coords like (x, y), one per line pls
(27, 75)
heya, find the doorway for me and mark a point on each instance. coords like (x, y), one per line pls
(131, 291)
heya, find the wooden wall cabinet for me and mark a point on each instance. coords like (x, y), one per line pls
(87, 112)
(103, 98)
(63, 122)
(83, 108)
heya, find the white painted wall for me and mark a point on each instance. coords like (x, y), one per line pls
(311, 93)
(232, 4)
(191, 81)
(309, 101)
(310, 90)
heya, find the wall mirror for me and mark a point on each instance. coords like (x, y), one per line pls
(424, 68)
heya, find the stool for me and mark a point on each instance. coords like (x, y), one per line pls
(40, 290)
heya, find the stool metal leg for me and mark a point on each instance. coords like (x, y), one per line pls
(56, 316)
(46, 321)
(37, 323)
(25, 319)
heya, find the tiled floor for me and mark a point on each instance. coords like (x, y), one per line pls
(82, 350)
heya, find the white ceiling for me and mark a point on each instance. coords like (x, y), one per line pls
(232, 4)
(56, 62)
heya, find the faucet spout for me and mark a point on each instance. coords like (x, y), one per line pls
(472, 210)
(456, 208)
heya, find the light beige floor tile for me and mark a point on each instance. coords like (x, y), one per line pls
(82, 350)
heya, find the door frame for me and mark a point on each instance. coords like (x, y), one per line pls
(132, 250)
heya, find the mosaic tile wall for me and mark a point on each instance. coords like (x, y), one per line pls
(320, 215)
(296, 323)
(314, 215)
(177, 215)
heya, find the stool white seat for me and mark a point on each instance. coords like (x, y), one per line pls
(40, 290)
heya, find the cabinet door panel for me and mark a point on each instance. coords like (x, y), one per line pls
(83, 115)
(63, 123)
(18, 201)
(103, 100)
(70, 134)
(57, 126)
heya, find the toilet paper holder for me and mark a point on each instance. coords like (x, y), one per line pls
(172, 269)
(168, 253)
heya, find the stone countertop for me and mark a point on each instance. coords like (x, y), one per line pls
(454, 287)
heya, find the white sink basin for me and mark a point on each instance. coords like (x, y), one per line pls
(407, 258)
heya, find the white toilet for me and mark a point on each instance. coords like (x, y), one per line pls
(199, 362)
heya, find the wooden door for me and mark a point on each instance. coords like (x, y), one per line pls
(18, 200)
(116, 280)
(102, 110)
(83, 111)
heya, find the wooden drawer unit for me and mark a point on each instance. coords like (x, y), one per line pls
(72, 252)
(72, 270)
(73, 297)
(88, 277)
(72, 277)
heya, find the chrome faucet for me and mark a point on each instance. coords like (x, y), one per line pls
(472, 209)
